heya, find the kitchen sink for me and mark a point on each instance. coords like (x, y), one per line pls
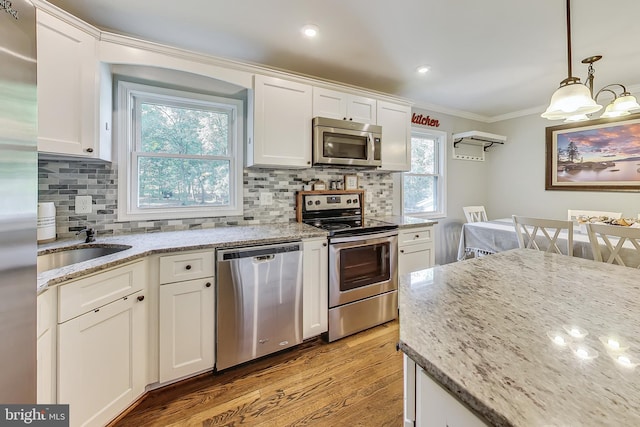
(74, 255)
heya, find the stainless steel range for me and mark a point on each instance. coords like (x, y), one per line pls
(363, 277)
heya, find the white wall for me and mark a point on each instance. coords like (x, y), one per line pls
(516, 178)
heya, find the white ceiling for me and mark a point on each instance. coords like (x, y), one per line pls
(489, 59)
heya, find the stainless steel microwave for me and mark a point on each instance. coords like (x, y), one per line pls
(346, 143)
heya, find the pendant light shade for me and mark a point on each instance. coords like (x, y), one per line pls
(571, 99)
(626, 102)
(611, 111)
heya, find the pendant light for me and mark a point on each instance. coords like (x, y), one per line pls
(574, 101)
(572, 98)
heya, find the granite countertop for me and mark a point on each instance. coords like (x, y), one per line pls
(485, 328)
(172, 241)
(406, 221)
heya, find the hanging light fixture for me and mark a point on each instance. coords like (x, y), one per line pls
(573, 101)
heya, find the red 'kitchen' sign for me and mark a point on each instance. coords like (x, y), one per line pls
(419, 119)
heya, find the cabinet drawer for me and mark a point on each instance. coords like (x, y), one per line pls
(415, 235)
(415, 257)
(194, 265)
(84, 295)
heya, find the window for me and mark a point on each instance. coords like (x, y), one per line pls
(181, 152)
(423, 187)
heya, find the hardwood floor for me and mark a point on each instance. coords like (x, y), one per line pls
(355, 381)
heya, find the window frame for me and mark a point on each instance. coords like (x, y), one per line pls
(128, 130)
(440, 139)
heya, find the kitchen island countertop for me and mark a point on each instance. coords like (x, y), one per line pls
(484, 329)
(171, 241)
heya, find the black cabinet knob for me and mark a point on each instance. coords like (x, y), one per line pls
(208, 284)
(324, 244)
(89, 150)
(141, 298)
(188, 267)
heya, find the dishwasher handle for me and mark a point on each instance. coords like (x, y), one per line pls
(261, 253)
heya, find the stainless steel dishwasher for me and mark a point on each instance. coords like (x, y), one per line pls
(259, 302)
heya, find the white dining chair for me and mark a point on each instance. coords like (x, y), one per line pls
(573, 214)
(475, 213)
(606, 250)
(528, 229)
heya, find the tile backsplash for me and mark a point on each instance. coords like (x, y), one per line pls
(59, 181)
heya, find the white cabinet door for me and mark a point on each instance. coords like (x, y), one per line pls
(186, 328)
(435, 407)
(415, 257)
(315, 289)
(362, 109)
(343, 106)
(68, 90)
(395, 120)
(45, 312)
(101, 360)
(415, 249)
(282, 124)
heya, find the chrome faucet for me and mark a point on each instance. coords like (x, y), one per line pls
(90, 234)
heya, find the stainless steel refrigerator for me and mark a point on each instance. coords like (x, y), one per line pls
(18, 202)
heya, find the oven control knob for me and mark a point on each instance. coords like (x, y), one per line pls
(355, 200)
(309, 203)
(348, 201)
(317, 202)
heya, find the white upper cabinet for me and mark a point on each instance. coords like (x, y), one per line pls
(281, 124)
(69, 83)
(395, 120)
(343, 106)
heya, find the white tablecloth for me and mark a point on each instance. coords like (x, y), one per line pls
(483, 238)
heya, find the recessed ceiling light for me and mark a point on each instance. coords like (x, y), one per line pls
(423, 69)
(310, 30)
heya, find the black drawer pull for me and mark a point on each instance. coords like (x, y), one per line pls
(188, 267)
(141, 298)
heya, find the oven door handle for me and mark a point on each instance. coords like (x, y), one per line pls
(362, 237)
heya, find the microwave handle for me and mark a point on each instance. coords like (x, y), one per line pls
(372, 147)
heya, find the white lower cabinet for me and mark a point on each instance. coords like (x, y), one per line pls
(415, 249)
(187, 328)
(315, 288)
(46, 345)
(431, 404)
(102, 351)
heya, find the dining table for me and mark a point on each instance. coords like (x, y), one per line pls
(489, 237)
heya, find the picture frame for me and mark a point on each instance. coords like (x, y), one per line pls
(351, 182)
(595, 155)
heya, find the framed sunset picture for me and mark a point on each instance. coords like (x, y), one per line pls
(597, 155)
